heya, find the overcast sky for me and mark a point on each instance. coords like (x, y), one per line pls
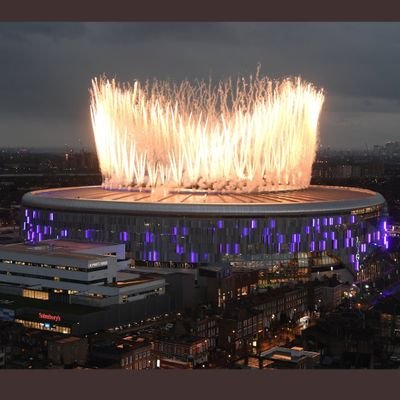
(46, 68)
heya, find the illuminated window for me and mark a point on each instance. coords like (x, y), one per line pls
(35, 294)
(44, 327)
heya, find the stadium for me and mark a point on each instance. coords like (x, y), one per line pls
(195, 174)
(316, 226)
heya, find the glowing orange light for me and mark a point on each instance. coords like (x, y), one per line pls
(252, 135)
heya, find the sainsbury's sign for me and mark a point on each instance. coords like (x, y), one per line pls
(50, 317)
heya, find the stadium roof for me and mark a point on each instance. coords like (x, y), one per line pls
(313, 200)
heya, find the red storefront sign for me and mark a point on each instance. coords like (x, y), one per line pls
(50, 317)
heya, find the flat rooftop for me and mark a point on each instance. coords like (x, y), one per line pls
(293, 354)
(121, 348)
(15, 302)
(46, 249)
(75, 246)
(123, 279)
(95, 198)
(71, 339)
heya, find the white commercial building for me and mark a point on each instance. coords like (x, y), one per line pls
(80, 273)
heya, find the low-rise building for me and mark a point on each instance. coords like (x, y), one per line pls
(71, 272)
(330, 292)
(73, 288)
(245, 282)
(239, 331)
(389, 313)
(218, 283)
(67, 350)
(288, 358)
(206, 327)
(127, 354)
(283, 303)
(187, 349)
(345, 338)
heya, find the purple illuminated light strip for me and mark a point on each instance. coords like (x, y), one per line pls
(179, 249)
(385, 240)
(193, 256)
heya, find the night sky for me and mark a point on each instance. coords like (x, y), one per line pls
(46, 68)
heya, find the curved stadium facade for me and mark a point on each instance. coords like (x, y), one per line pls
(319, 225)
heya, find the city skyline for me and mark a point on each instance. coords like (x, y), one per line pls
(47, 104)
(212, 229)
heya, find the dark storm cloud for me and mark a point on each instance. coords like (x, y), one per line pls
(154, 31)
(358, 59)
(28, 31)
(46, 68)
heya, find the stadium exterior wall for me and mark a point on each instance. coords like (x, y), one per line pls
(289, 233)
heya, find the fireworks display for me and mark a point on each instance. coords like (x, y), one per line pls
(249, 135)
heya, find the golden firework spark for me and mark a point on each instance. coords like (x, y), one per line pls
(248, 135)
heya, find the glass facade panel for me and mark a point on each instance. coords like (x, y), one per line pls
(153, 239)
